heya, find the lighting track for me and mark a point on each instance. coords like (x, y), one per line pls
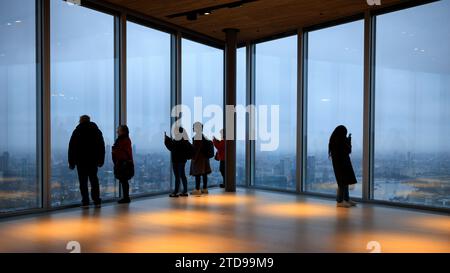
(193, 14)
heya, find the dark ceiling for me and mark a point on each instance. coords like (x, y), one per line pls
(255, 20)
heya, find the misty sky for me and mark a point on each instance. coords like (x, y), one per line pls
(148, 86)
(412, 83)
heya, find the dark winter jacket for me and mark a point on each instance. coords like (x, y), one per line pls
(180, 149)
(342, 164)
(86, 147)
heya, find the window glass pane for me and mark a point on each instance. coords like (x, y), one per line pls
(82, 82)
(148, 106)
(412, 113)
(276, 86)
(202, 73)
(335, 93)
(240, 116)
(19, 185)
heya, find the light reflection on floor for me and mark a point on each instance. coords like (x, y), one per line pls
(246, 222)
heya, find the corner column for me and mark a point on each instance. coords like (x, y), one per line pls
(230, 104)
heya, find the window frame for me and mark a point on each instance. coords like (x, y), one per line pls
(177, 33)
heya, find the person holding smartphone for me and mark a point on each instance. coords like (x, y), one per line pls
(339, 150)
(180, 150)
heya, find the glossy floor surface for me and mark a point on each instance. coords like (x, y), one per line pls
(248, 221)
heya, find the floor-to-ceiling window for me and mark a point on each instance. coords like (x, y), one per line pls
(276, 102)
(19, 184)
(335, 76)
(148, 106)
(82, 83)
(241, 116)
(412, 113)
(202, 92)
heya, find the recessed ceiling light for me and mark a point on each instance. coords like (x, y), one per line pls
(8, 24)
(18, 21)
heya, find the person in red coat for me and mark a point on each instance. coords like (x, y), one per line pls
(220, 155)
(122, 156)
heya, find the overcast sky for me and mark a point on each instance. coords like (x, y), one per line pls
(412, 78)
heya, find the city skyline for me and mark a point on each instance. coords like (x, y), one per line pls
(411, 92)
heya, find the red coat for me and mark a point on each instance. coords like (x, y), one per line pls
(121, 150)
(220, 146)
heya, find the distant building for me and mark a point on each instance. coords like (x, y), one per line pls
(4, 162)
(311, 169)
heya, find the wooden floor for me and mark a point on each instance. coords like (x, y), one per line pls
(249, 221)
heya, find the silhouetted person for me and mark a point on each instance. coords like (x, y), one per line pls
(87, 153)
(220, 155)
(122, 156)
(201, 153)
(181, 151)
(339, 149)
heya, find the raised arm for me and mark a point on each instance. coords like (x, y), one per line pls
(168, 142)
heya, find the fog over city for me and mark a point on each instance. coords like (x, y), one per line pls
(411, 101)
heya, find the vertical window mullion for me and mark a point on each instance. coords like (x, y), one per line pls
(43, 99)
(368, 124)
(299, 166)
(250, 100)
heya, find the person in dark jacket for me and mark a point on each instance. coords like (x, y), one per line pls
(220, 155)
(87, 154)
(179, 148)
(122, 156)
(200, 167)
(339, 149)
